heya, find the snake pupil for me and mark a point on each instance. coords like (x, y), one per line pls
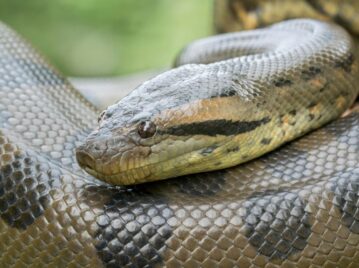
(146, 129)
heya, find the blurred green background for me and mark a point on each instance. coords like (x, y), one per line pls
(112, 37)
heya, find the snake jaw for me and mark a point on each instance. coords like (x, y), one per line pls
(109, 153)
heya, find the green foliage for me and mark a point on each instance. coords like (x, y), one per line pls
(112, 37)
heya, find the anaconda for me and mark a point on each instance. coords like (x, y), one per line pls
(294, 207)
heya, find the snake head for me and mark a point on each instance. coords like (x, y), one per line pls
(175, 124)
(113, 151)
(164, 128)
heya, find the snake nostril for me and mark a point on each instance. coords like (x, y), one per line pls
(85, 160)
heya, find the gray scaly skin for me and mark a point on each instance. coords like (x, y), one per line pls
(295, 207)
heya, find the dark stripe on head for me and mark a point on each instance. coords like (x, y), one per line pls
(215, 127)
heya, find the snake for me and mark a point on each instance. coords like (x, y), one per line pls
(296, 206)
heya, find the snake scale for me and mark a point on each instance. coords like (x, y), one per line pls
(295, 207)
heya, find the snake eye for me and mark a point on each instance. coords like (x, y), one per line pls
(146, 129)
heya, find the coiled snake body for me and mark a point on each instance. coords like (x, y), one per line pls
(294, 207)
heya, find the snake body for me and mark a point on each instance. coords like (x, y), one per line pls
(295, 207)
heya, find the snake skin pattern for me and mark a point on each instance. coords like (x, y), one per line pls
(295, 207)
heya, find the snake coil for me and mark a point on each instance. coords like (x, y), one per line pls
(294, 207)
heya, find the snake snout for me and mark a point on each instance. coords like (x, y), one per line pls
(85, 160)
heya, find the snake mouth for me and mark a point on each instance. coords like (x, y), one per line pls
(86, 162)
(148, 172)
(130, 176)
